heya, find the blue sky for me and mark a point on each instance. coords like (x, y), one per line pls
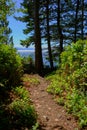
(17, 26)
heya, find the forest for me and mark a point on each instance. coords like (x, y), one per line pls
(61, 25)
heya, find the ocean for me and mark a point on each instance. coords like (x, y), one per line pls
(25, 52)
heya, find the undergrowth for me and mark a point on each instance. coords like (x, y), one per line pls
(69, 83)
(31, 80)
(16, 109)
(19, 113)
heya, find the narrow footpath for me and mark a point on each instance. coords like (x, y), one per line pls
(51, 116)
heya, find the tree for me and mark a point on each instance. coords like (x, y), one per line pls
(48, 34)
(6, 9)
(56, 21)
(30, 9)
(27, 8)
(82, 23)
(38, 49)
(60, 34)
(76, 20)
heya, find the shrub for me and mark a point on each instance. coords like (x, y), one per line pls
(74, 56)
(77, 104)
(70, 81)
(30, 79)
(28, 64)
(18, 113)
(22, 93)
(10, 66)
(22, 113)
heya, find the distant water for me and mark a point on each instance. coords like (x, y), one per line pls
(25, 52)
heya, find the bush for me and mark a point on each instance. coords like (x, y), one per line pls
(10, 66)
(70, 81)
(28, 65)
(74, 56)
(77, 104)
(22, 93)
(22, 113)
(18, 113)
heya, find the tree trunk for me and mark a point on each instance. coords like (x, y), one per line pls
(48, 35)
(38, 49)
(60, 35)
(76, 21)
(82, 26)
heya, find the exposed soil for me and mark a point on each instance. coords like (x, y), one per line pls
(51, 116)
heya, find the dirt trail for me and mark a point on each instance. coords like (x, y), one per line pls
(51, 116)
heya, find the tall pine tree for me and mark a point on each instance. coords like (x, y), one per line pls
(38, 49)
(6, 9)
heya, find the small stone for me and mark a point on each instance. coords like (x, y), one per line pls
(49, 108)
(46, 118)
(56, 120)
(68, 118)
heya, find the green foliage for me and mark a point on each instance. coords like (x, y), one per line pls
(77, 104)
(31, 80)
(10, 66)
(57, 85)
(18, 113)
(24, 113)
(70, 81)
(22, 93)
(35, 127)
(60, 101)
(6, 9)
(74, 64)
(28, 64)
(21, 110)
(73, 56)
(53, 87)
(27, 9)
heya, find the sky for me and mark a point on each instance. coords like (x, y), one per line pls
(17, 27)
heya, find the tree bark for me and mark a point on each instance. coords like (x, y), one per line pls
(60, 35)
(48, 35)
(76, 21)
(38, 49)
(82, 26)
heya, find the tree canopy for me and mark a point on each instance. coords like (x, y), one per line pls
(6, 9)
(60, 23)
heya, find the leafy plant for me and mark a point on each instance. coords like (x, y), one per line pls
(22, 112)
(60, 101)
(70, 80)
(28, 64)
(22, 93)
(10, 66)
(77, 104)
(31, 80)
(35, 127)
(18, 113)
(53, 88)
